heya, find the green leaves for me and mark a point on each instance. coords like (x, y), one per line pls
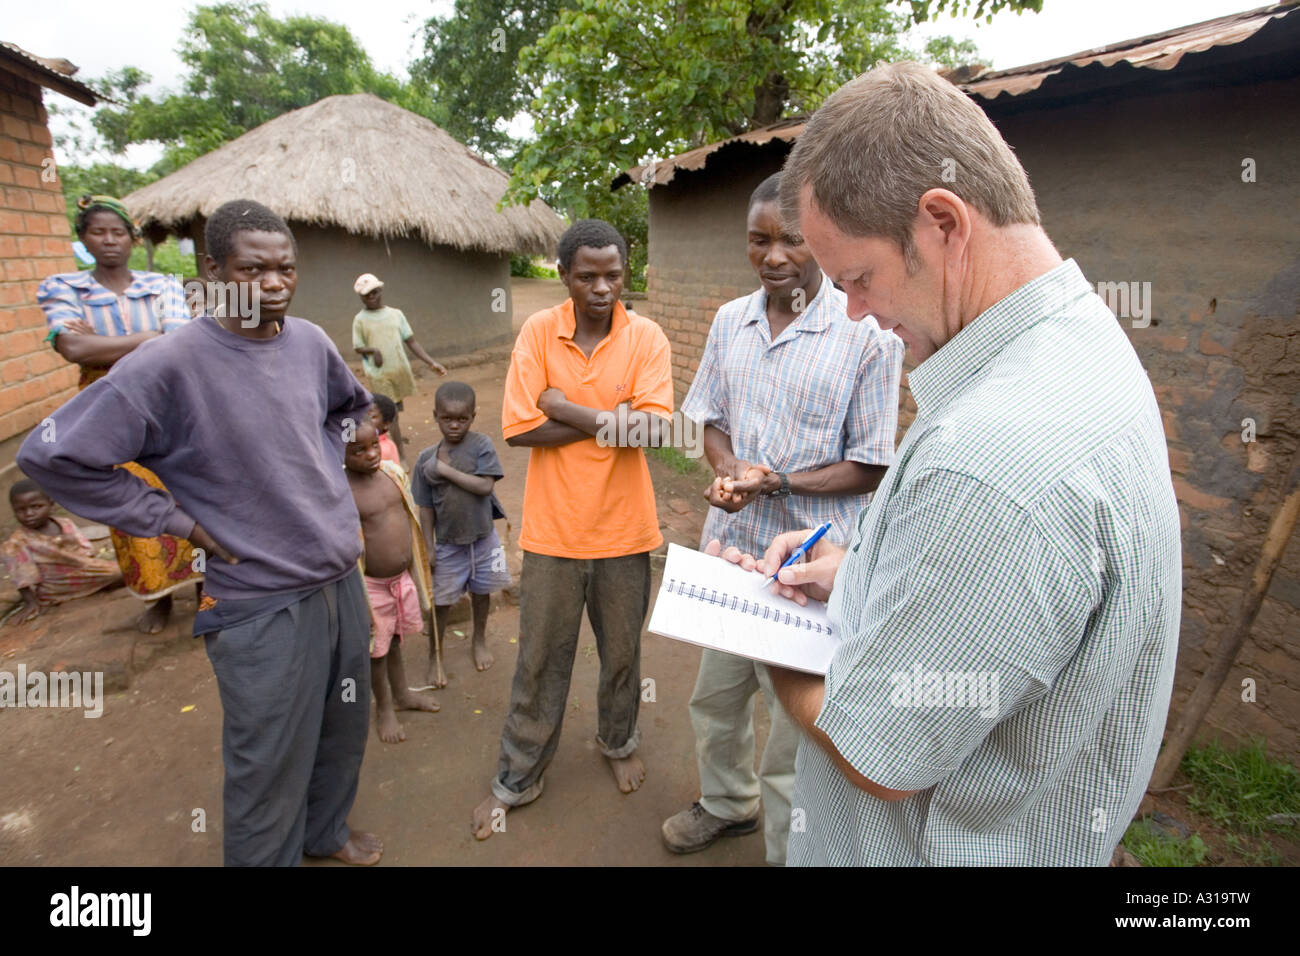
(614, 83)
(245, 67)
(929, 9)
(107, 178)
(470, 69)
(608, 84)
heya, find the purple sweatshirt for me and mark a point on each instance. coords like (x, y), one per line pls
(247, 435)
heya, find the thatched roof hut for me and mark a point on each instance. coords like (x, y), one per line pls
(370, 187)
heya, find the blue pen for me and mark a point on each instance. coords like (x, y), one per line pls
(799, 552)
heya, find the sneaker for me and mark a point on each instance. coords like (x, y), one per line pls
(695, 829)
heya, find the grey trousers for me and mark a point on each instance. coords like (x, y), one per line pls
(722, 713)
(552, 594)
(295, 694)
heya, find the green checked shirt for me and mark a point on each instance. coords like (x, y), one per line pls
(1009, 605)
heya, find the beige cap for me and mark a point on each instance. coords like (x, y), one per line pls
(366, 284)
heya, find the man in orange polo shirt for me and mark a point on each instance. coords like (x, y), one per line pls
(580, 373)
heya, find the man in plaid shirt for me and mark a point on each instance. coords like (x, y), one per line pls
(1009, 604)
(799, 407)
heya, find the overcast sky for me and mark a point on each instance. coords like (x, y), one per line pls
(100, 36)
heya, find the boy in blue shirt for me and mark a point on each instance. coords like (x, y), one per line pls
(452, 484)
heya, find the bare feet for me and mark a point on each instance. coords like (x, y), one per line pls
(434, 678)
(629, 772)
(410, 700)
(483, 658)
(390, 731)
(489, 816)
(154, 619)
(362, 849)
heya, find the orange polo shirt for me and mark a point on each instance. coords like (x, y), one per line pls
(582, 500)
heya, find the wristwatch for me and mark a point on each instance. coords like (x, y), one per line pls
(784, 490)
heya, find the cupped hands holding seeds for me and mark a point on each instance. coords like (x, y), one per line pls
(733, 491)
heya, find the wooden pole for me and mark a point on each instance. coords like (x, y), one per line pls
(1194, 711)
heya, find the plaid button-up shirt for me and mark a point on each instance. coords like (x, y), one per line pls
(153, 302)
(825, 391)
(1009, 604)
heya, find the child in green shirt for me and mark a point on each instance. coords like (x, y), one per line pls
(378, 335)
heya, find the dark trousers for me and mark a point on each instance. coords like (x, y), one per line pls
(295, 692)
(552, 595)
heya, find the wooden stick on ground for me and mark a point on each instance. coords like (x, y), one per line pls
(1194, 711)
(437, 650)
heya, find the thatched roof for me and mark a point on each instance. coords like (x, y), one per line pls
(361, 163)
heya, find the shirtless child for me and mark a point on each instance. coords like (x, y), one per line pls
(383, 412)
(387, 521)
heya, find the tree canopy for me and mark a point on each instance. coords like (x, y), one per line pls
(607, 84)
(244, 67)
(470, 68)
(620, 82)
(611, 83)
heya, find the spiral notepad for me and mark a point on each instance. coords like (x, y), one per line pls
(713, 603)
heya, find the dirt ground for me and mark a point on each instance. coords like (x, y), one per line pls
(141, 785)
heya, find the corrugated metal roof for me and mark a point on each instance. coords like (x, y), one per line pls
(43, 71)
(1159, 51)
(661, 172)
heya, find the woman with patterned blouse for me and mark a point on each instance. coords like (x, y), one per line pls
(95, 318)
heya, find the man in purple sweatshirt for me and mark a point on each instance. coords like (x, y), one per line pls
(243, 417)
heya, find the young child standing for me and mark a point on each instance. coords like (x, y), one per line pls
(379, 334)
(452, 484)
(382, 414)
(48, 559)
(393, 546)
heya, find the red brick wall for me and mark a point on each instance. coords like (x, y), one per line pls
(697, 251)
(34, 379)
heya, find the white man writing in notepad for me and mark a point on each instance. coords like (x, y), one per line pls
(1008, 607)
(799, 408)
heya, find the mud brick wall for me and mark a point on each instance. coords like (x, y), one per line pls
(697, 259)
(1147, 187)
(34, 379)
(1143, 185)
(697, 256)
